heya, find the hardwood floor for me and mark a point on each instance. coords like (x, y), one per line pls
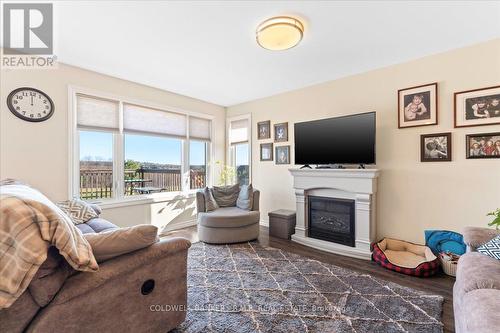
(440, 284)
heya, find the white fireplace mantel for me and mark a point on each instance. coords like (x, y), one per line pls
(359, 185)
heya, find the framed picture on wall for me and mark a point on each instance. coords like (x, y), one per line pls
(417, 106)
(477, 107)
(283, 155)
(281, 132)
(264, 130)
(435, 147)
(484, 145)
(266, 151)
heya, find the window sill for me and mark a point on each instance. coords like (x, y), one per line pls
(144, 199)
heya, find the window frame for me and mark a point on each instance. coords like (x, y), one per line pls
(230, 146)
(119, 199)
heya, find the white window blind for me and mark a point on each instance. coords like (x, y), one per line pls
(199, 128)
(238, 131)
(96, 113)
(146, 120)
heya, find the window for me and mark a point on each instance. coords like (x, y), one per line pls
(200, 134)
(242, 164)
(97, 123)
(239, 148)
(152, 164)
(124, 150)
(197, 164)
(96, 165)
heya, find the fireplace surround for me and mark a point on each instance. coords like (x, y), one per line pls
(358, 186)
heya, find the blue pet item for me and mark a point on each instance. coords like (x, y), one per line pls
(445, 241)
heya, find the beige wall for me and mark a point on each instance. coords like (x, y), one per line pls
(38, 152)
(413, 196)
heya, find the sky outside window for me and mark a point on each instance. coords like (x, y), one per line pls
(96, 146)
(153, 149)
(197, 153)
(241, 154)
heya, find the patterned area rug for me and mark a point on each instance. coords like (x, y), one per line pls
(250, 288)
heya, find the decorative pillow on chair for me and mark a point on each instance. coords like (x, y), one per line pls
(245, 198)
(226, 196)
(210, 203)
(491, 248)
(113, 243)
(78, 210)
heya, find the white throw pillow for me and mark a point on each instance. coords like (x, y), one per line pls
(245, 198)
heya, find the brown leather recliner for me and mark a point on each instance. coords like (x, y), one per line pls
(142, 291)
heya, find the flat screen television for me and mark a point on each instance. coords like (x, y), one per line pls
(340, 140)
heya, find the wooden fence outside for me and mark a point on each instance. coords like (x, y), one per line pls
(98, 183)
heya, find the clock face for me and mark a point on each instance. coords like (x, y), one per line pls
(30, 104)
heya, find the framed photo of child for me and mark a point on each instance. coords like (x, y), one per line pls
(477, 107)
(435, 147)
(417, 106)
(264, 130)
(485, 145)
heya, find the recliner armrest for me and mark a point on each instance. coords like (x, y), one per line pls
(477, 236)
(85, 282)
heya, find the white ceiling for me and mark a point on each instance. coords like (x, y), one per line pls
(207, 49)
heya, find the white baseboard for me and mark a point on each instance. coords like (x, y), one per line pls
(179, 225)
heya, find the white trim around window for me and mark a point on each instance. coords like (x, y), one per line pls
(119, 199)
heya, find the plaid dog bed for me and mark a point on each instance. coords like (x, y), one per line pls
(428, 267)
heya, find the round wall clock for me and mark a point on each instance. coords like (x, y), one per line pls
(30, 104)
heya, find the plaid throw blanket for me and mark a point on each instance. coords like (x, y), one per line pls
(29, 224)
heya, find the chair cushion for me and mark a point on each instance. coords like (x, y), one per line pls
(96, 225)
(115, 242)
(226, 196)
(477, 271)
(480, 309)
(228, 217)
(17, 317)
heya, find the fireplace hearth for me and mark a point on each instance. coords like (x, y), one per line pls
(332, 219)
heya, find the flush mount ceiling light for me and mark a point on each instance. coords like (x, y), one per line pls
(279, 33)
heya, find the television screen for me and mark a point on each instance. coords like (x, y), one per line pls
(341, 140)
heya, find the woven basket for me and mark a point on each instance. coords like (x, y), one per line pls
(449, 266)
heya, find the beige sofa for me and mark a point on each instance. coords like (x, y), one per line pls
(476, 293)
(228, 224)
(129, 293)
